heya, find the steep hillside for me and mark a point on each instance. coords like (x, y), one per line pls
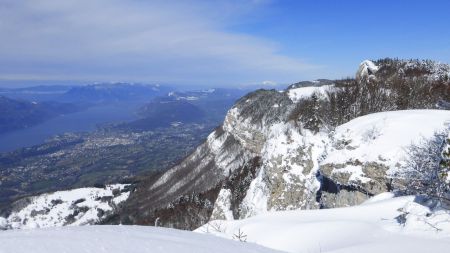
(16, 114)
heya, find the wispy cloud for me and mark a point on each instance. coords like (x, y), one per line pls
(185, 42)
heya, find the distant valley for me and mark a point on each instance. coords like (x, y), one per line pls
(121, 132)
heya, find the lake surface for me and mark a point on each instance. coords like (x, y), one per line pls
(86, 120)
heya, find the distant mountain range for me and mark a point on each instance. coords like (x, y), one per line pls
(17, 114)
(114, 92)
(26, 107)
(90, 93)
(168, 128)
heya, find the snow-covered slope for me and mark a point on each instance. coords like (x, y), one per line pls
(383, 137)
(119, 239)
(81, 206)
(382, 224)
(368, 152)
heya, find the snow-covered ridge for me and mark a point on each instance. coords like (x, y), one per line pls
(81, 206)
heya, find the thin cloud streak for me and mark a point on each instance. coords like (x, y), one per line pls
(134, 40)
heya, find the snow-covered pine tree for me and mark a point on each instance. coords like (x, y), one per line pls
(427, 167)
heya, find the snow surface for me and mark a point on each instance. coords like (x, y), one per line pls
(371, 227)
(118, 239)
(297, 94)
(54, 209)
(382, 137)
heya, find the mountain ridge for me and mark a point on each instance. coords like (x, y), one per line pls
(269, 152)
(263, 116)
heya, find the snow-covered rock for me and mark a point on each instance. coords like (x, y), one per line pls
(366, 71)
(119, 239)
(296, 94)
(81, 206)
(385, 224)
(382, 137)
(367, 152)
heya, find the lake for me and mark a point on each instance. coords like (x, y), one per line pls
(82, 121)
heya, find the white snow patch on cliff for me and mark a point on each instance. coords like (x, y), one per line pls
(356, 174)
(222, 206)
(255, 200)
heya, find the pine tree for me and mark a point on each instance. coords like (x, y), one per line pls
(427, 167)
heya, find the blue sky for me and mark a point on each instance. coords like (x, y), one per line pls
(212, 43)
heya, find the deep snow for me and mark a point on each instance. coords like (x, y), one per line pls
(370, 227)
(118, 239)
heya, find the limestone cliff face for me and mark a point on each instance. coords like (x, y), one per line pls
(299, 167)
